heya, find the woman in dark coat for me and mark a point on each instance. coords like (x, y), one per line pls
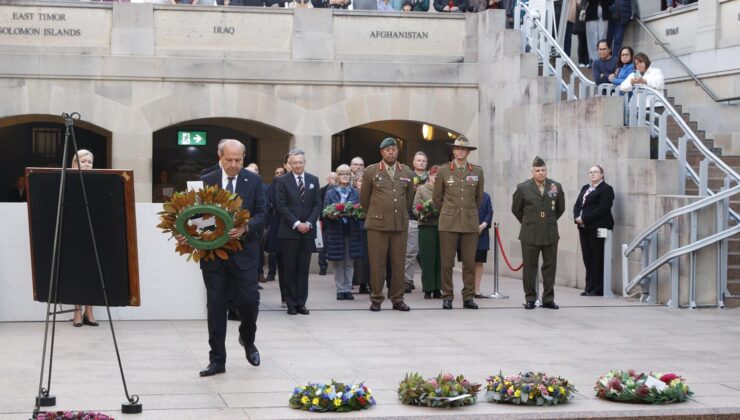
(342, 238)
(593, 210)
(485, 218)
(272, 242)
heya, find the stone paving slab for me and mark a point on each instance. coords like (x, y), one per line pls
(345, 341)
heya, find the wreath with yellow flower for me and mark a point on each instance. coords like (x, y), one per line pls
(206, 241)
(337, 397)
(529, 389)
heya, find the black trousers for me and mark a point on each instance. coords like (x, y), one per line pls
(592, 249)
(297, 260)
(218, 283)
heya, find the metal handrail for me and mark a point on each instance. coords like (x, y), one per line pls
(674, 253)
(683, 66)
(527, 40)
(679, 212)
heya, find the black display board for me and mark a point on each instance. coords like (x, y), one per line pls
(111, 203)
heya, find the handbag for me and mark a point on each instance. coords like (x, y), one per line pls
(579, 26)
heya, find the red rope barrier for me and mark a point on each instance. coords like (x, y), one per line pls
(501, 247)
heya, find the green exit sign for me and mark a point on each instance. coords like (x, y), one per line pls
(191, 138)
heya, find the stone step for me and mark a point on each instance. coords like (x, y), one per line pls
(733, 286)
(732, 302)
(733, 273)
(733, 246)
(733, 258)
(732, 161)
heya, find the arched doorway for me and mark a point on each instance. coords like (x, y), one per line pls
(182, 151)
(38, 141)
(414, 136)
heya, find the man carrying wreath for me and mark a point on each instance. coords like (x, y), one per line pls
(458, 192)
(241, 267)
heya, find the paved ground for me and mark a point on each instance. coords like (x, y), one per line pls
(343, 340)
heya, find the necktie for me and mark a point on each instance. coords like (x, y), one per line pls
(301, 187)
(392, 171)
(230, 185)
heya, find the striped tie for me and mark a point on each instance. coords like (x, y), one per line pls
(301, 187)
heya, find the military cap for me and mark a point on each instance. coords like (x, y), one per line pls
(463, 142)
(387, 142)
(538, 162)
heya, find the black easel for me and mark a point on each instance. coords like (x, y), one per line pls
(44, 399)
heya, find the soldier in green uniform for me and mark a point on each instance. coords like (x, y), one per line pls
(458, 191)
(386, 196)
(538, 203)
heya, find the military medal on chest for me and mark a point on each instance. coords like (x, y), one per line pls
(553, 205)
(451, 180)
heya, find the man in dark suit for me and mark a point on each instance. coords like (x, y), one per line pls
(17, 194)
(593, 210)
(241, 267)
(298, 201)
(538, 203)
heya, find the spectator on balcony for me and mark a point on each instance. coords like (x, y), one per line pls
(597, 19)
(605, 65)
(644, 74)
(624, 68)
(415, 6)
(482, 5)
(300, 4)
(452, 6)
(623, 11)
(569, 32)
(385, 6)
(332, 4)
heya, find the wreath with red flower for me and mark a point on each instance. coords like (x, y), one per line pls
(204, 241)
(650, 388)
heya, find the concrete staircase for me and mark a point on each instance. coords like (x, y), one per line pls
(715, 182)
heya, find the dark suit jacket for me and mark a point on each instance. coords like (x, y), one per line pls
(292, 208)
(485, 214)
(249, 188)
(16, 196)
(597, 210)
(537, 213)
(592, 11)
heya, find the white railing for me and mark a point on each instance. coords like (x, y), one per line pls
(647, 107)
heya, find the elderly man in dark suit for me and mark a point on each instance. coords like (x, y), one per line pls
(538, 203)
(241, 267)
(17, 194)
(592, 211)
(298, 201)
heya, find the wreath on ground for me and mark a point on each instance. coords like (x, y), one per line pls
(445, 391)
(651, 388)
(72, 415)
(204, 218)
(336, 397)
(531, 388)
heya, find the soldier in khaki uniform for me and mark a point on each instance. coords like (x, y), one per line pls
(538, 203)
(386, 196)
(458, 191)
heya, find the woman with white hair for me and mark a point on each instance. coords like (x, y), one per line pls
(85, 162)
(342, 237)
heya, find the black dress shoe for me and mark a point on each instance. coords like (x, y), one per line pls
(375, 307)
(408, 290)
(479, 296)
(413, 287)
(364, 290)
(348, 296)
(302, 310)
(447, 304)
(340, 296)
(212, 369)
(427, 295)
(262, 278)
(88, 322)
(270, 277)
(253, 355)
(529, 305)
(400, 306)
(292, 310)
(470, 304)
(585, 293)
(259, 287)
(322, 272)
(436, 294)
(550, 305)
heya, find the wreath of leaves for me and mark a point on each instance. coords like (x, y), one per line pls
(444, 391)
(651, 388)
(212, 195)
